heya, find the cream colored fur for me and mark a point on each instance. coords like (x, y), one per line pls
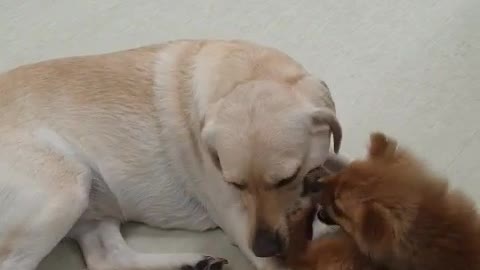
(90, 142)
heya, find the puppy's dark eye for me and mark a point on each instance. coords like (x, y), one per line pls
(287, 180)
(238, 186)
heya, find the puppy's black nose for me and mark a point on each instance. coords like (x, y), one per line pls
(266, 243)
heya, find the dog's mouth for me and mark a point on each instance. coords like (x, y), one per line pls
(324, 217)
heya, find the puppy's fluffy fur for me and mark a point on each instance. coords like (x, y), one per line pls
(402, 215)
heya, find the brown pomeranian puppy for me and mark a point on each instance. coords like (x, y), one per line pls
(401, 215)
(336, 251)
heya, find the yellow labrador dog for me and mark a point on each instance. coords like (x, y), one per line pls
(187, 135)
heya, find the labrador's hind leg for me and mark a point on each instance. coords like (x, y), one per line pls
(41, 197)
(104, 248)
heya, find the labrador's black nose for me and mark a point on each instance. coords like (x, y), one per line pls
(267, 243)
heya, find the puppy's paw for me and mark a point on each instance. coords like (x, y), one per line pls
(207, 263)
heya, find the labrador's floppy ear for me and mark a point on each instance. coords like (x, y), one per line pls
(322, 116)
(208, 132)
(208, 137)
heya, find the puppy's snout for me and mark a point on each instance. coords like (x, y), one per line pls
(267, 243)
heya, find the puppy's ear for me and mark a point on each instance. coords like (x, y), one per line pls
(321, 117)
(381, 146)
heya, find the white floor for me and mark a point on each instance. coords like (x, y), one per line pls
(409, 68)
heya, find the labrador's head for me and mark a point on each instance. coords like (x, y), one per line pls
(264, 137)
